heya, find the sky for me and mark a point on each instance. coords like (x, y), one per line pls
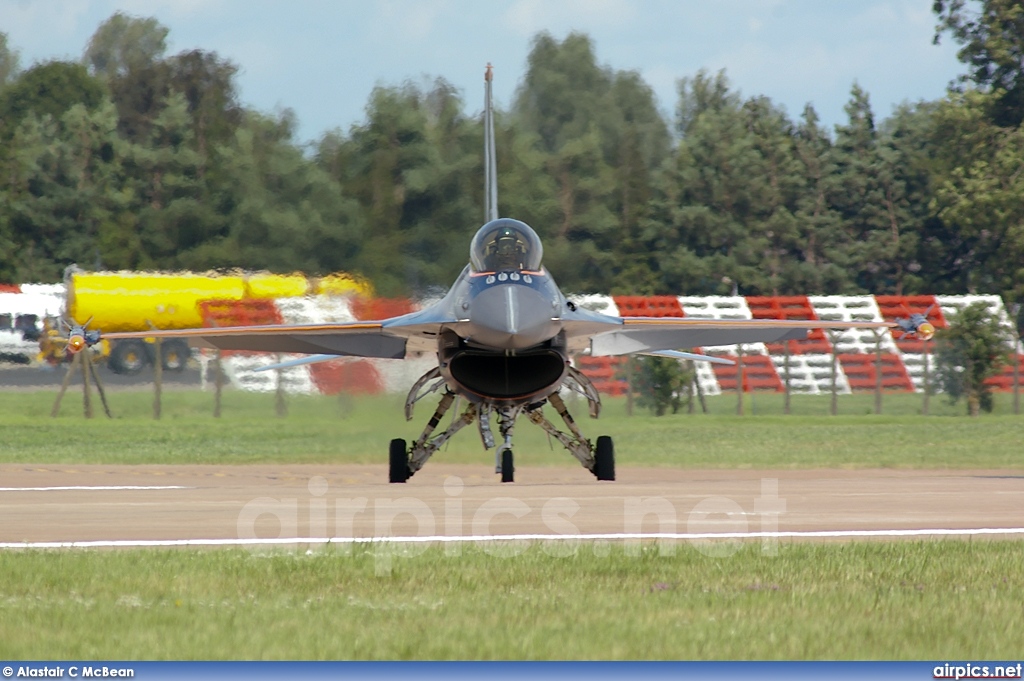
(322, 58)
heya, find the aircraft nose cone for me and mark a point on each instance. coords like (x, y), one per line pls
(511, 317)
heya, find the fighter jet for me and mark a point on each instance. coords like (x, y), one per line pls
(503, 336)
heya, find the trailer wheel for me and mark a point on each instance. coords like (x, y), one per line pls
(175, 354)
(128, 357)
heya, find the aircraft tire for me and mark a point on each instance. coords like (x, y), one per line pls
(508, 468)
(604, 459)
(398, 459)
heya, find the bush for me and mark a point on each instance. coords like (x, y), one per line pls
(973, 349)
(660, 383)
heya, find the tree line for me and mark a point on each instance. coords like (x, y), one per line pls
(133, 158)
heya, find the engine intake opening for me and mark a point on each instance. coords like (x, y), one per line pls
(507, 377)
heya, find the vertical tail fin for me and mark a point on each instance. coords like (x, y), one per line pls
(490, 163)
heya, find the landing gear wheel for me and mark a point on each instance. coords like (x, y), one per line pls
(604, 459)
(399, 462)
(508, 468)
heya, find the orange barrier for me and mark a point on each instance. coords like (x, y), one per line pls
(242, 312)
(790, 307)
(348, 375)
(648, 306)
(758, 374)
(1004, 380)
(373, 309)
(603, 372)
(862, 372)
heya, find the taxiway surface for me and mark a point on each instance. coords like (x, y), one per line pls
(56, 503)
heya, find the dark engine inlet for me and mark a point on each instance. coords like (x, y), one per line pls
(503, 377)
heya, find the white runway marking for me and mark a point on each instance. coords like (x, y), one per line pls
(89, 488)
(616, 536)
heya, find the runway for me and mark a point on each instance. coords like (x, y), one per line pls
(215, 505)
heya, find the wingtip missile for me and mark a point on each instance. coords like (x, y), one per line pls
(80, 338)
(76, 342)
(917, 324)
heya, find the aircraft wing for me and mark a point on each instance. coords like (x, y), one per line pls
(364, 339)
(392, 338)
(629, 335)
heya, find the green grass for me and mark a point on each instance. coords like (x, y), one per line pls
(357, 430)
(906, 600)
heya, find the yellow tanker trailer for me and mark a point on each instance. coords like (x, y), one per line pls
(139, 301)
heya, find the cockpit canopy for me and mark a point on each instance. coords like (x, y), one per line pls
(505, 244)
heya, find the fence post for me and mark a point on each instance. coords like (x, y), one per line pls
(690, 389)
(834, 407)
(926, 377)
(158, 377)
(218, 383)
(878, 371)
(785, 367)
(629, 386)
(280, 405)
(1015, 358)
(739, 380)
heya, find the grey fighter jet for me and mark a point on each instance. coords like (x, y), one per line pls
(503, 336)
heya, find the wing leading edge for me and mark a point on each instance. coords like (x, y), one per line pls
(361, 339)
(391, 338)
(394, 338)
(646, 334)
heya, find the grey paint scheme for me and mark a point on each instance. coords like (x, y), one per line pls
(504, 317)
(372, 344)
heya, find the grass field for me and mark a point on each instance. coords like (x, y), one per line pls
(357, 430)
(882, 600)
(920, 600)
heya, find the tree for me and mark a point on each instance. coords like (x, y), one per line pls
(9, 59)
(992, 46)
(864, 193)
(128, 53)
(171, 210)
(820, 242)
(973, 349)
(207, 83)
(601, 136)
(285, 215)
(660, 383)
(415, 170)
(979, 194)
(63, 190)
(908, 158)
(730, 193)
(50, 88)
(124, 43)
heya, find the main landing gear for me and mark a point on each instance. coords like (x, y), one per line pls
(597, 458)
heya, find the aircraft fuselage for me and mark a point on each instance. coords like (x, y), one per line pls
(509, 348)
